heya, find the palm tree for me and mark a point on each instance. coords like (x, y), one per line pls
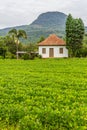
(16, 35)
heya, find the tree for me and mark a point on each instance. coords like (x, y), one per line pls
(74, 35)
(3, 47)
(16, 35)
(11, 46)
(31, 47)
(69, 24)
(41, 39)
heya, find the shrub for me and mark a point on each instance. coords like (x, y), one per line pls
(40, 56)
(25, 56)
(9, 55)
(1, 57)
(29, 56)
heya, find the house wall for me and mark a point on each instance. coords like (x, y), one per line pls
(56, 51)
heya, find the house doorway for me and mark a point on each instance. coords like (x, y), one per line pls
(51, 52)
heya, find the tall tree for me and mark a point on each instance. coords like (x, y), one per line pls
(74, 35)
(16, 35)
(69, 24)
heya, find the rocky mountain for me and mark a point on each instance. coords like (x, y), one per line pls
(47, 23)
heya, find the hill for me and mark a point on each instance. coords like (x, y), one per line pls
(47, 23)
(50, 19)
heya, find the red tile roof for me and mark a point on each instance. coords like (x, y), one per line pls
(52, 40)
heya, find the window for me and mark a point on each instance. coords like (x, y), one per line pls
(44, 50)
(61, 50)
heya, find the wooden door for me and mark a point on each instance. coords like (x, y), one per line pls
(51, 52)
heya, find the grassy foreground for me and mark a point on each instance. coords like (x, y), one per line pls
(46, 94)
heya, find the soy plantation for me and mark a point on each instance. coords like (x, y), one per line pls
(44, 94)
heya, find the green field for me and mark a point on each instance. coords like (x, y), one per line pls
(45, 94)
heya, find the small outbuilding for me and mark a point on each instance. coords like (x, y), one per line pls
(53, 47)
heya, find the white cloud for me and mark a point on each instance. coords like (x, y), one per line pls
(17, 12)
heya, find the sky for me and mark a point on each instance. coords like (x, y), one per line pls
(24, 12)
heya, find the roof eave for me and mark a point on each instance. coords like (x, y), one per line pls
(51, 45)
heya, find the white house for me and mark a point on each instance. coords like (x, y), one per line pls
(53, 46)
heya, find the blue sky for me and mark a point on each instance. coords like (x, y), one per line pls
(18, 12)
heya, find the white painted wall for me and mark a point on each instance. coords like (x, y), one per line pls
(56, 51)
